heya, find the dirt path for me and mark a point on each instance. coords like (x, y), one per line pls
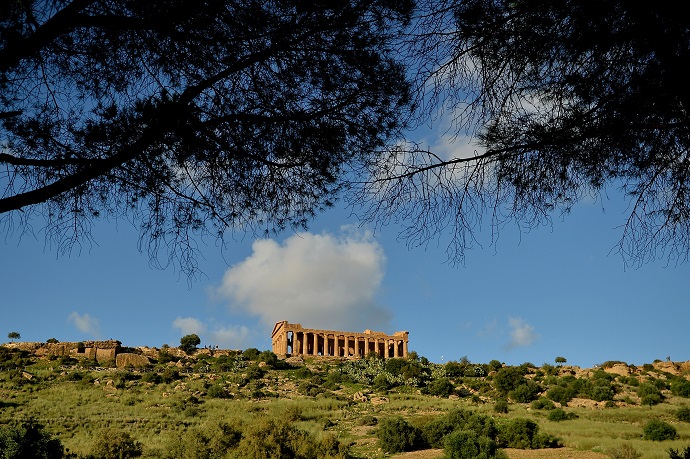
(555, 453)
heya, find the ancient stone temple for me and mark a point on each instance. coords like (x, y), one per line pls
(292, 339)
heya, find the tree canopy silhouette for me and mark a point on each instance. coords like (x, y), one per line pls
(190, 117)
(564, 98)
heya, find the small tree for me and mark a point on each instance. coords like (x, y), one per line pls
(188, 343)
(14, 335)
(560, 360)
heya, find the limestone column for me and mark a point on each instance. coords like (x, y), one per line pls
(284, 343)
(316, 344)
(357, 346)
(405, 348)
(395, 348)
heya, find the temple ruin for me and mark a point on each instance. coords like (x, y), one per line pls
(292, 339)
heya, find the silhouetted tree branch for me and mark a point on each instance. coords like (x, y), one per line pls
(563, 99)
(190, 117)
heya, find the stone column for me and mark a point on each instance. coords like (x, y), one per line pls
(284, 343)
(316, 344)
(405, 348)
(357, 346)
(395, 348)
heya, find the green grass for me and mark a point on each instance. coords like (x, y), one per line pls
(76, 404)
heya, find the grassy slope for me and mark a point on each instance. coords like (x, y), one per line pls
(159, 414)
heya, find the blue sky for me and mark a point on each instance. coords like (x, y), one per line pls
(554, 291)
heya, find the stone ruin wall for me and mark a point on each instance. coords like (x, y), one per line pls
(292, 339)
(98, 351)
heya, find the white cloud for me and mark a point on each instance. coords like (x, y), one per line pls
(521, 335)
(318, 280)
(230, 337)
(85, 323)
(189, 325)
(223, 336)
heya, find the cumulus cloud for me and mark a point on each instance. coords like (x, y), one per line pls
(521, 333)
(212, 334)
(189, 325)
(319, 280)
(85, 323)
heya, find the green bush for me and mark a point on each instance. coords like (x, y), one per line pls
(681, 387)
(649, 394)
(683, 414)
(525, 393)
(441, 387)
(508, 379)
(542, 403)
(561, 394)
(251, 354)
(367, 420)
(560, 415)
(466, 444)
(501, 406)
(658, 430)
(116, 444)
(524, 433)
(397, 435)
(28, 440)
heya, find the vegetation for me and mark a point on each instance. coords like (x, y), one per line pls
(211, 404)
(188, 343)
(14, 335)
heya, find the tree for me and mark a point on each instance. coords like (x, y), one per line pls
(29, 440)
(564, 100)
(14, 335)
(188, 343)
(560, 360)
(190, 117)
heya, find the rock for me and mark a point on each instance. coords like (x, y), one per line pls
(26, 375)
(360, 397)
(131, 360)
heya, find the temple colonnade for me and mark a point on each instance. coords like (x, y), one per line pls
(293, 339)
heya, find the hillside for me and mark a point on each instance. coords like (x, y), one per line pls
(174, 398)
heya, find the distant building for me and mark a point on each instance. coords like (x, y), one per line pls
(292, 339)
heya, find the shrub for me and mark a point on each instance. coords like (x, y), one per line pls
(658, 430)
(649, 394)
(525, 393)
(560, 415)
(561, 394)
(683, 414)
(501, 406)
(116, 444)
(542, 403)
(269, 357)
(677, 454)
(624, 451)
(466, 444)
(218, 391)
(681, 387)
(524, 433)
(367, 420)
(251, 354)
(441, 387)
(397, 435)
(508, 379)
(29, 440)
(601, 393)
(255, 372)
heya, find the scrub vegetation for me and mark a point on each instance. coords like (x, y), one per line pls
(220, 404)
